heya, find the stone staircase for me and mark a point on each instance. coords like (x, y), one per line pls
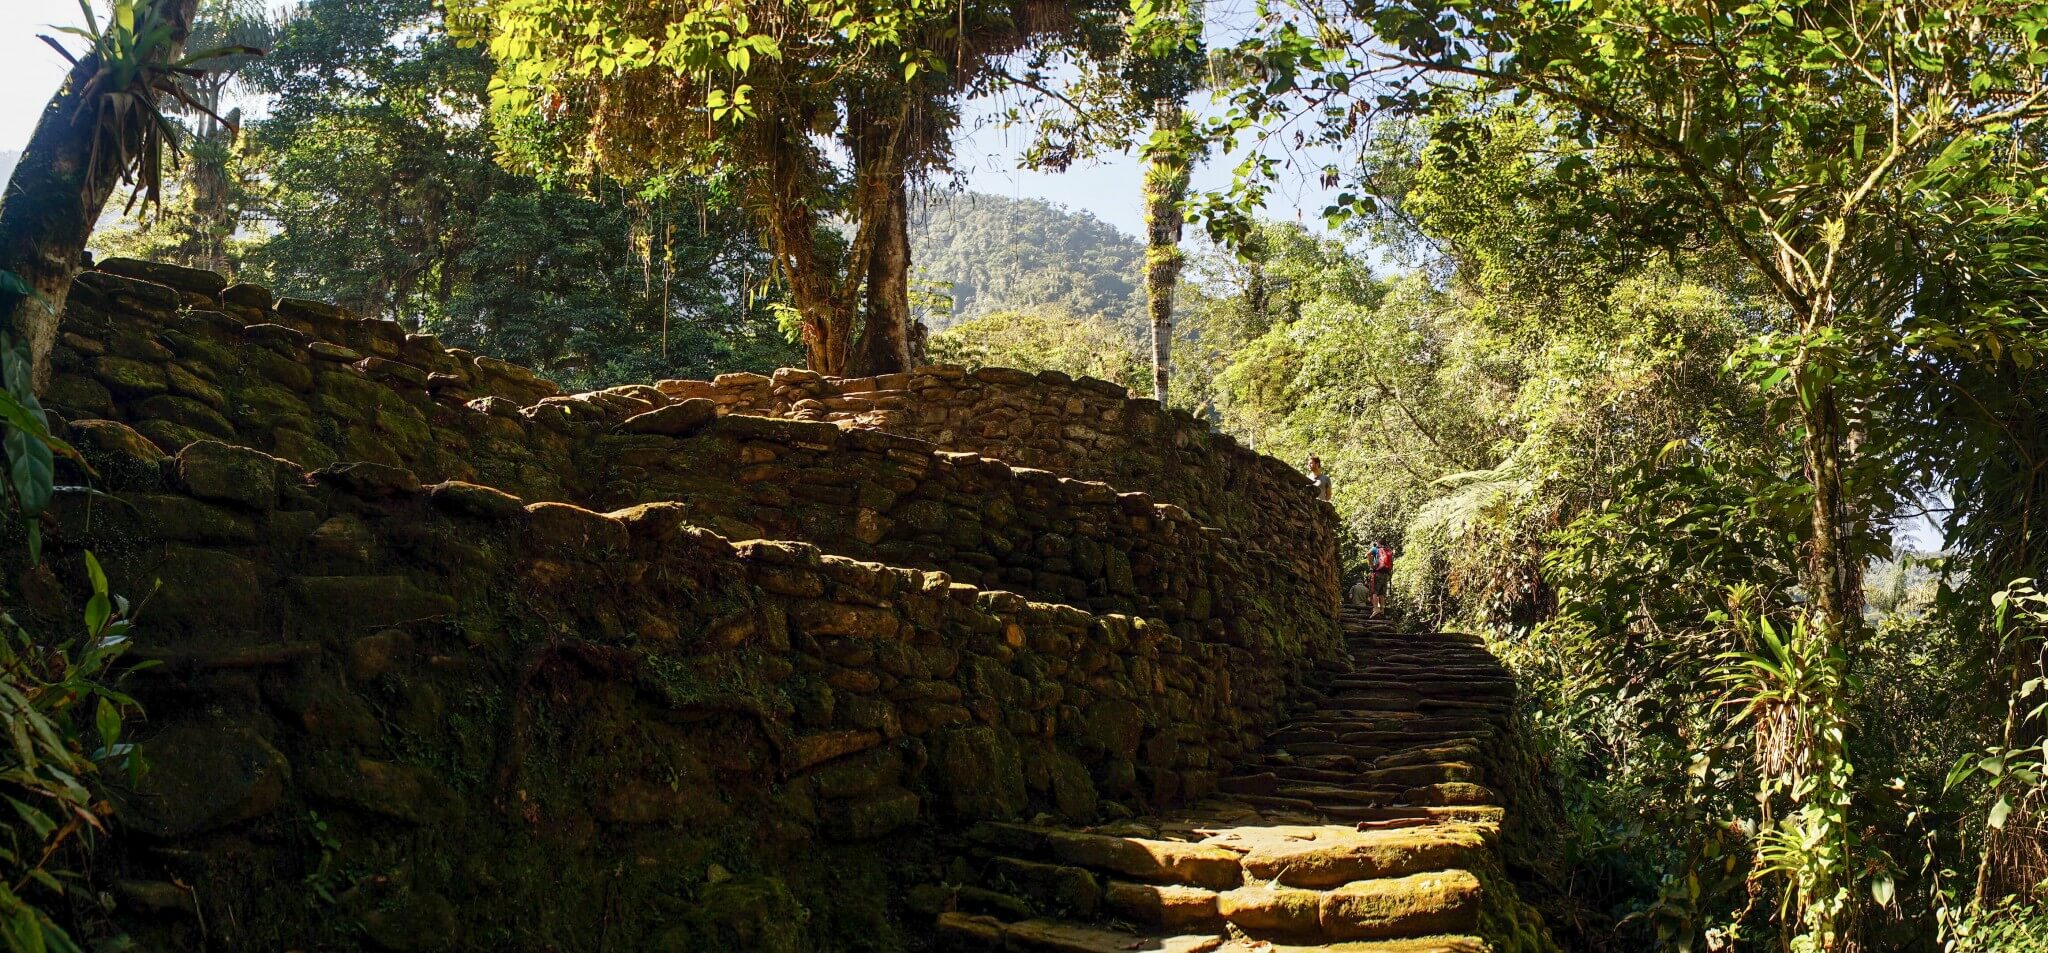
(1367, 825)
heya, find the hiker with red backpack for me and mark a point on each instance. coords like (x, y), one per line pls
(1379, 561)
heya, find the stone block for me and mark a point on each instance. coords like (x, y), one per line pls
(365, 602)
(205, 774)
(976, 772)
(218, 471)
(873, 815)
(682, 419)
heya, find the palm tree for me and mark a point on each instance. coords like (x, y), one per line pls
(1166, 64)
(1168, 162)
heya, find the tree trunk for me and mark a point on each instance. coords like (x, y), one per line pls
(1836, 579)
(884, 346)
(878, 263)
(1166, 188)
(781, 201)
(56, 196)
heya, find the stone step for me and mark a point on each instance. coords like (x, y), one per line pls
(1275, 802)
(1389, 658)
(1410, 662)
(1406, 737)
(1353, 830)
(1275, 760)
(1144, 859)
(1053, 936)
(1395, 739)
(1408, 659)
(1399, 776)
(1291, 772)
(1440, 754)
(1381, 743)
(1416, 905)
(1428, 813)
(1330, 855)
(1387, 721)
(1450, 794)
(1423, 676)
(1070, 891)
(1397, 720)
(1418, 707)
(1427, 691)
(1427, 944)
(1320, 795)
(1365, 752)
(1366, 747)
(1389, 700)
(1472, 685)
(1373, 652)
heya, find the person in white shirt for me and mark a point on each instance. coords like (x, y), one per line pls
(1317, 478)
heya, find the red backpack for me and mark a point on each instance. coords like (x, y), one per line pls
(1382, 559)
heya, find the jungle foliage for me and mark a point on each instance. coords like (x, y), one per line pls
(61, 704)
(1707, 300)
(1640, 329)
(370, 181)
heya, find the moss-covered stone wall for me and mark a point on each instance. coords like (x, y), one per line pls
(450, 660)
(1086, 429)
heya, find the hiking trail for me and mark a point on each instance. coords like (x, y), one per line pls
(1365, 825)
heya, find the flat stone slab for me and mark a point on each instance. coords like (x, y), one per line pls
(1418, 904)
(1050, 936)
(1160, 861)
(1427, 944)
(1331, 855)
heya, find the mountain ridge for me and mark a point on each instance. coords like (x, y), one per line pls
(994, 253)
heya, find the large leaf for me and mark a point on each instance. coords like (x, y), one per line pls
(32, 470)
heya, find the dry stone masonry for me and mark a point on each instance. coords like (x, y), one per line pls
(1372, 823)
(452, 660)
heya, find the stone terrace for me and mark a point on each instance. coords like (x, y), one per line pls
(454, 660)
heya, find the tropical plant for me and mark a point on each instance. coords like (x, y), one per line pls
(2011, 780)
(64, 712)
(60, 705)
(213, 191)
(25, 438)
(1790, 692)
(106, 125)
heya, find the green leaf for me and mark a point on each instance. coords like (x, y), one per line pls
(32, 469)
(108, 721)
(34, 817)
(1999, 812)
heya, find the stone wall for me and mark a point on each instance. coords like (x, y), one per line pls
(452, 660)
(1088, 429)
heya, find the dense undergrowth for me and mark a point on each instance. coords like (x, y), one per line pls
(1581, 445)
(62, 710)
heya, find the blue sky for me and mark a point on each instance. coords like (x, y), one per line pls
(29, 71)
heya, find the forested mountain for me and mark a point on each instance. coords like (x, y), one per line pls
(1002, 254)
